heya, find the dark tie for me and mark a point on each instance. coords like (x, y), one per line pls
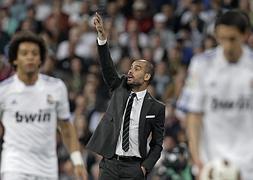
(125, 135)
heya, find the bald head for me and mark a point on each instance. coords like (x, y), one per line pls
(149, 68)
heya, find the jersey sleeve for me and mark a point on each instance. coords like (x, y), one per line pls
(62, 108)
(192, 96)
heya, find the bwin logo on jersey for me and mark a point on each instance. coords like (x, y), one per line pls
(36, 117)
(242, 103)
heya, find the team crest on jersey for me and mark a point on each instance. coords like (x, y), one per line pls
(50, 99)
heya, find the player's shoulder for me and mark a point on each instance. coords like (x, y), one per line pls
(50, 80)
(205, 59)
(7, 82)
(249, 56)
(208, 55)
(250, 53)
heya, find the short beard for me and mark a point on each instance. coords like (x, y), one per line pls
(31, 73)
(134, 85)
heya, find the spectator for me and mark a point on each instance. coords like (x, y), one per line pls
(167, 35)
(132, 41)
(5, 69)
(161, 79)
(141, 12)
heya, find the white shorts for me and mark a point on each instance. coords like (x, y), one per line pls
(23, 176)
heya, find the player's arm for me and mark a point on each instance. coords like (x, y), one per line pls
(68, 132)
(191, 101)
(70, 140)
(69, 135)
(194, 125)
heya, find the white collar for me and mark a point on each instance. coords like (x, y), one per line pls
(140, 94)
(20, 85)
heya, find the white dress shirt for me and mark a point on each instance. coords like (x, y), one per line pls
(133, 127)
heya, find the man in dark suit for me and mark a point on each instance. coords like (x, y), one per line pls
(130, 134)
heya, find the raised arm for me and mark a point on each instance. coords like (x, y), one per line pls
(108, 70)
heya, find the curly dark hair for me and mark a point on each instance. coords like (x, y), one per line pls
(25, 36)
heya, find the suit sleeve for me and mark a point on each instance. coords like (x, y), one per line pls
(109, 72)
(156, 142)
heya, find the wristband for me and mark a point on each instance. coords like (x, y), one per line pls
(76, 158)
(195, 170)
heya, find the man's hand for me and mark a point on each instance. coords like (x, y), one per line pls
(98, 23)
(80, 172)
(143, 170)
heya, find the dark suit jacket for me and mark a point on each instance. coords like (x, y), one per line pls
(105, 137)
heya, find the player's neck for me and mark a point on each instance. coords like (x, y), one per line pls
(236, 57)
(29, 78)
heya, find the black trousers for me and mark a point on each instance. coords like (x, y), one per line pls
(119, 169)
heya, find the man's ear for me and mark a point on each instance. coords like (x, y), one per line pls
(147, 76)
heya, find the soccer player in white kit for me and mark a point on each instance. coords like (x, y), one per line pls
(32, 106)
(218, 96)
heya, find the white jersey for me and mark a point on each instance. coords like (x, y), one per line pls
(223, 92)
(29, 116)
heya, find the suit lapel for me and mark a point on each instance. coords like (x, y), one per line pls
(147, 103)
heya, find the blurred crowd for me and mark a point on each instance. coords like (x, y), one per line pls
(166, 32)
